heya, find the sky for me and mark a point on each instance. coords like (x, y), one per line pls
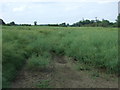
(57, 11)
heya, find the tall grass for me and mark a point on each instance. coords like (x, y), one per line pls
(38, 62)
(93, 46)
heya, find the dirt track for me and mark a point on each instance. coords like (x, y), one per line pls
(64, 75)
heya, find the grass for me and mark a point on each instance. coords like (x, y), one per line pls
(81, 67)
(43, 84)
(39, 62)
(93, 46)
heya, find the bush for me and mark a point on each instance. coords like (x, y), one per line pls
(39, 62)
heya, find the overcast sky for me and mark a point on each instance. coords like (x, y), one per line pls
(57, 11)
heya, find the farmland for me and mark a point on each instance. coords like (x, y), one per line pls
(37, 48)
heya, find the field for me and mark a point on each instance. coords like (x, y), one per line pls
(37, 48)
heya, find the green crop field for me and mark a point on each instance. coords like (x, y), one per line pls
(93, 46)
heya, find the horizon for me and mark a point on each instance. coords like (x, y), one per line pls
(51, 23)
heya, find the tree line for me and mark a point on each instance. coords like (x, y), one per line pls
(82, 23)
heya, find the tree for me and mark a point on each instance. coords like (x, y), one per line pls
(67, 24)
(2, 22)
(105, 23)
(12, 23)
(63, 24)
(35, 23)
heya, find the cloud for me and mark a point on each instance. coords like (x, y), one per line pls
(98, 1)
(71, 8)
(19, 9)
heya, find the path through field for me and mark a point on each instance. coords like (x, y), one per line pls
(63, 75)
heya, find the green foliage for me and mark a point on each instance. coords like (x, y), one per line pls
(94, 23)
(2, 22)
(95, 74)
(81, 67)
(63, 24)
(35, 23)
(13, 56)
(43, 84)
(93, 46)
(40, 62)
(11, 24)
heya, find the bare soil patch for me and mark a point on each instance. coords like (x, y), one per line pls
(64, 75)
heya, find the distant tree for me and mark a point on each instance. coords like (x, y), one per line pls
(2, 22)
(25, 24)
(115, 24)
(35, 23)
(87, 21)
(12, 23)
(63, 24)
(105, 23)
(77, 24)
(92, 21)
(67, 24)
(52, 25)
